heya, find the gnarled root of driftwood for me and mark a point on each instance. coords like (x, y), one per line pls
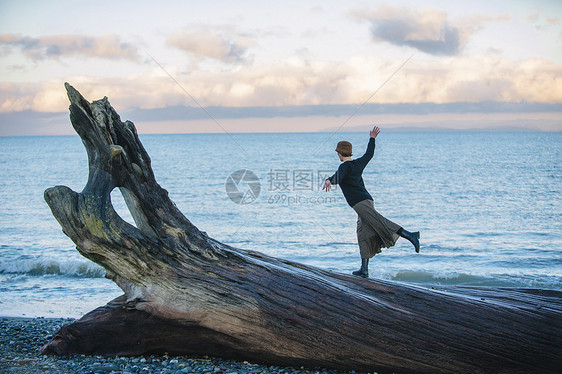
(185, 293)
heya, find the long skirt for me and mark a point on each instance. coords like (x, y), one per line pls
(373, 230)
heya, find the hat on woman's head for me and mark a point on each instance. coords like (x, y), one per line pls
(344, 148)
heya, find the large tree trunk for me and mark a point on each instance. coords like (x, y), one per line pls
(185, 293)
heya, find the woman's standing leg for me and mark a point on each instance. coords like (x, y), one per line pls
(363, 250)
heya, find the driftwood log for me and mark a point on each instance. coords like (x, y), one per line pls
(186, 293)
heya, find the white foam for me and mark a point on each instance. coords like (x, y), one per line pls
(39, 267)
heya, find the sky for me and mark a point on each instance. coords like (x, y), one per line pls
(283, 66)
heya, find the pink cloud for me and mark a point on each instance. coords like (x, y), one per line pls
(220, 43)
(57, 46)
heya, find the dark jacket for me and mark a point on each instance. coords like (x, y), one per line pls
(349, 176)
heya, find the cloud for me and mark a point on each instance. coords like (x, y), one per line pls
(429, 116)
(543, 22)
(428, 30)
(17, 67)
(56, 46)
(42, 97)
(298, 82)
(219, 43)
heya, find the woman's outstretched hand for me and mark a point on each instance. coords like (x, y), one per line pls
(327, 185)
(374, 132)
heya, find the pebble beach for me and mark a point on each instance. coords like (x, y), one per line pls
(21, 339)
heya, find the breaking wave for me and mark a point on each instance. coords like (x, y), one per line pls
(463, 279)
(40, 267)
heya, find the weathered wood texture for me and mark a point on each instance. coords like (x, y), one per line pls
(185, 293)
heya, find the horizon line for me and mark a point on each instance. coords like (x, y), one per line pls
(391, 130)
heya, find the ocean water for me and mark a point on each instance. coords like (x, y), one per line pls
(488, 205)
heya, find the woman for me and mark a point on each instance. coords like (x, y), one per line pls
(373, 230)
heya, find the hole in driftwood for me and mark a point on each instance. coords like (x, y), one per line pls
(120, 206)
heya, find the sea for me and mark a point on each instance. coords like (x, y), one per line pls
(488, 206)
